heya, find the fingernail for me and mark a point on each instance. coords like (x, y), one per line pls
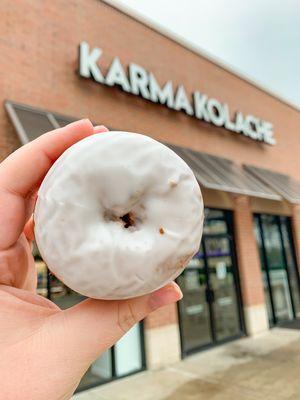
(80, 121)
(100, 128)
(164, 296)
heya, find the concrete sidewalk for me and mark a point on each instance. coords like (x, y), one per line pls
(262, 368)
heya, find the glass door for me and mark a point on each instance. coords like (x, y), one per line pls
(194, 309)
(225, 304)
(210, 311)
(280, 276)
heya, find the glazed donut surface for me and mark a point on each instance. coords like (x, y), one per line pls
(118, 215)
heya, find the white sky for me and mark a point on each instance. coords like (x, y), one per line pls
(261, 38)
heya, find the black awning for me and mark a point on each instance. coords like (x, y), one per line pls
(212, 172)
(31, 122)
(286, 186)
(219, 173)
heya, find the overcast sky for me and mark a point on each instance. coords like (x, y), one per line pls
(259, 37)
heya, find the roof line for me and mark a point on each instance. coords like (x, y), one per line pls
(197, 50)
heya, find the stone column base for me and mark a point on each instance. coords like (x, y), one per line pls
(162, 346)
(256, 319)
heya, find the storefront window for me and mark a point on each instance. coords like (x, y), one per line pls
(291, 264)
(214, 222)
(263, 267)
(99, 372)
(128, 352)
(217, 246)
(278, 267)
(212, 213)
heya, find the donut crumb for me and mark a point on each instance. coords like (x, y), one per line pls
(161, 231)
(173, 184)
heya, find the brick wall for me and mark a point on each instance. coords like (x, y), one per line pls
(38, 47)
(247, 253)
(164, 316)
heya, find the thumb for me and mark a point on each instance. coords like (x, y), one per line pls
(95, 325)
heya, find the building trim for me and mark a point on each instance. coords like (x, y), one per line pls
(175, 37)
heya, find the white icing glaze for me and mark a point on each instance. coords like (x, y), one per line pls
(95, 182)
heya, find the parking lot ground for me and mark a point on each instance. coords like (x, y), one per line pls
(266, 367)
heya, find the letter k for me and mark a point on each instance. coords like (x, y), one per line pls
(88, 67)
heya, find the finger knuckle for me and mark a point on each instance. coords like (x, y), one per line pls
(126, 316)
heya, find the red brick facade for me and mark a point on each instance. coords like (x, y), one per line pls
(164, 316)
(247, 253)
(38, 67)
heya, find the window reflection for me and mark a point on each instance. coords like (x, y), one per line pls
(225, 299)
(194, 310)
(272, 242)
(277, 268)
(217, 246)
(214, 227)
(291, 264)
(128, 352)
(211, 213)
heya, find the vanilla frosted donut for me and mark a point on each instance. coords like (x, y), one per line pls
(118, 215)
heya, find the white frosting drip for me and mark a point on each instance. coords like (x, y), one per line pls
(78, 225)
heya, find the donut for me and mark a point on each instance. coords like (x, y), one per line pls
(118, 215)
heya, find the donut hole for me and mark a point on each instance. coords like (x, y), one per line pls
(128, 220)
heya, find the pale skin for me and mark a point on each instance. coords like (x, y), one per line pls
(45, 351)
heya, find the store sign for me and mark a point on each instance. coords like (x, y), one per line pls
(143, 83)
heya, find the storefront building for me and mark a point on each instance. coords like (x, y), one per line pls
(92, 60)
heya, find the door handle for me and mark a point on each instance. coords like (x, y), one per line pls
(209, 295)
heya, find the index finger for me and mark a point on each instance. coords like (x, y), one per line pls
(24, 170)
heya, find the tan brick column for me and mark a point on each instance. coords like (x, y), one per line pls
(162, 340)
(249, 267)
(296, 231)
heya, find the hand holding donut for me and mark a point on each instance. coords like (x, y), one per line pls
(45, 350)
